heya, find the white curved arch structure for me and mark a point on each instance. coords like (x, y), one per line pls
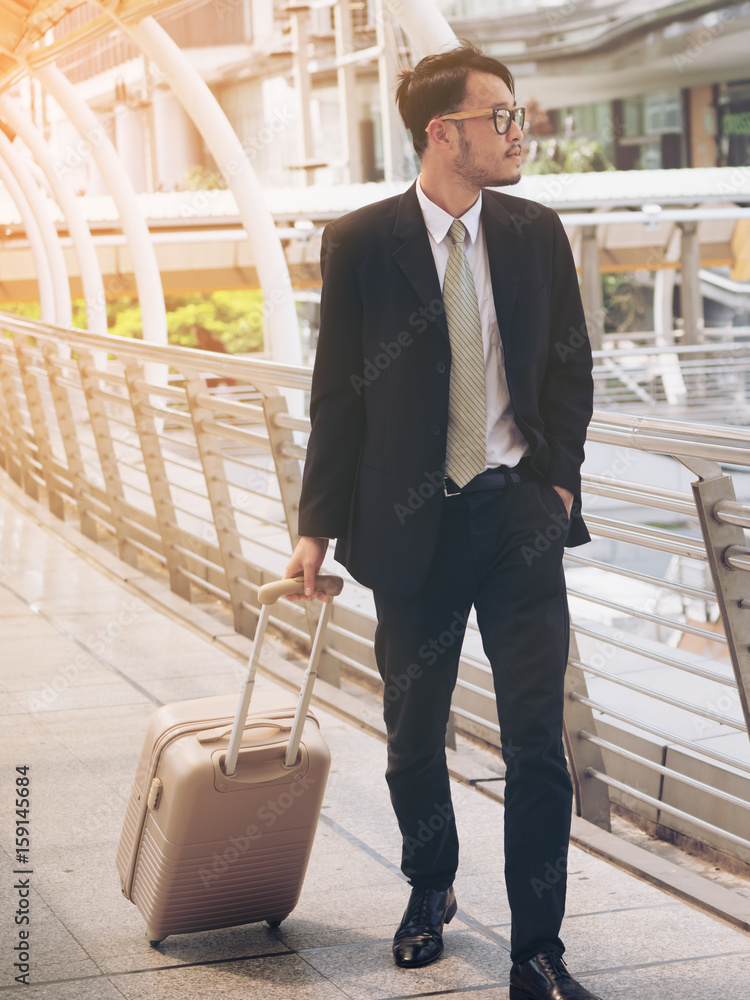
(38, 249)
(88, 262)
(425, 25)
(63, 310)
(145, 266)
(231, 159)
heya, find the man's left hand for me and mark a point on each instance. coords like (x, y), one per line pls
(567, 497)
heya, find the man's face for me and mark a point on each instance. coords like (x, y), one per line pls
(484, 158)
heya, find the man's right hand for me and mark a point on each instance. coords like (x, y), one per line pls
(307, 558)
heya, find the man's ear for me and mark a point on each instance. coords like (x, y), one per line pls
(438, 132)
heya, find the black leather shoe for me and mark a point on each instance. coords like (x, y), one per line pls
(419, 938)
(545, 977)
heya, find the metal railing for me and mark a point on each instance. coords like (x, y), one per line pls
(713, 376)
(197, 477)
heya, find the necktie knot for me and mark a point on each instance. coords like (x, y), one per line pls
(457, 231)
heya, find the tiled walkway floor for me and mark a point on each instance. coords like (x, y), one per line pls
(83, 663)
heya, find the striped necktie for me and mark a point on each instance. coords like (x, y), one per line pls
(466, 451)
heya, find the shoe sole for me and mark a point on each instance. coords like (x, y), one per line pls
(516, 994)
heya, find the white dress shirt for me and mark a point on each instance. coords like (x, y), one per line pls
(506, 445)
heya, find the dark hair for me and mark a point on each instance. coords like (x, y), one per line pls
(437, 86)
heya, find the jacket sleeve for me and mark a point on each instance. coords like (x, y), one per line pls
(567, 394)
(337, 411)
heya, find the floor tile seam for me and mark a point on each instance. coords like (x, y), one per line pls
(50, 909)
(56, 713)
(598, 913)
(455, 991)
(319, 972)
(487, 931)
(454, 932)
(81, 645)
(102, 974)
(466, 918)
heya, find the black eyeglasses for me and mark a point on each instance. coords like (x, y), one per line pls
(502, 117)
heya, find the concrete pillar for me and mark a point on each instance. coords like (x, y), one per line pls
(302, 83)
(692, 302)
(129, 134)
(591, 286)
(393, 131)
(177, 141)
(348, 105)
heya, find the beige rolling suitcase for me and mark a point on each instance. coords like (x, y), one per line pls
(224, 805)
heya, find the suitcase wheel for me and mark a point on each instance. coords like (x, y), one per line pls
(273, 923)
(153, 941)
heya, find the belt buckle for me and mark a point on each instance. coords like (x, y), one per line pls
(446, 491)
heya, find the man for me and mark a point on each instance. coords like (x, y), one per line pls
(451, 394)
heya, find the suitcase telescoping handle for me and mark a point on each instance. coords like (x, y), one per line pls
(268, 595)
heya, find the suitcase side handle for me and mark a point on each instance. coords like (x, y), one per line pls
(269, 593)
(211, 735)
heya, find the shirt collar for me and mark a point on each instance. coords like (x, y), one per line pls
(438, 221)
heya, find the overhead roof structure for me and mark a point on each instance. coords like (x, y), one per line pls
(24, 23)
(26, 48)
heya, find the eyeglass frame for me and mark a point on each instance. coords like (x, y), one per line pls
(511, 112)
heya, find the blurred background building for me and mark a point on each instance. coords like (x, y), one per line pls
(658, 85)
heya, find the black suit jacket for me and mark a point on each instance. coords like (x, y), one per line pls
(379, 404)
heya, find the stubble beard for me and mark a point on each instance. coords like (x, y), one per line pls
(474, 175)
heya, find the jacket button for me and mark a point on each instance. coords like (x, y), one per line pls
(435, 428)
(440, 367)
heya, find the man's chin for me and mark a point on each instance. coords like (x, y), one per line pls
(506, 181)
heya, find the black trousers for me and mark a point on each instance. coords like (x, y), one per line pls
(500, 551)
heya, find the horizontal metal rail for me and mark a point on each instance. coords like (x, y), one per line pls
(662, 734)
(648, 616)
(677, 588)
(592, 772)
(667, 699)
(652, 654)
(668, 772)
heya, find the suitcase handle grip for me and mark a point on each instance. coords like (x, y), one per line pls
(269, 593)
(210, 735)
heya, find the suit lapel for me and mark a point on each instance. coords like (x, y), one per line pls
(414, 256)
(505, 247)
(504, 250)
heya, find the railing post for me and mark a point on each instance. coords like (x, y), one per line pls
(217, 488)
(67, 426)
(731, 584)
(8, 444)
(592, 796)
(164, 509)
(105, 449)
(18, 448)
(37, 415)
(290, 485)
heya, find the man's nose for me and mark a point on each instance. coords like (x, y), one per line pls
(514, 133)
